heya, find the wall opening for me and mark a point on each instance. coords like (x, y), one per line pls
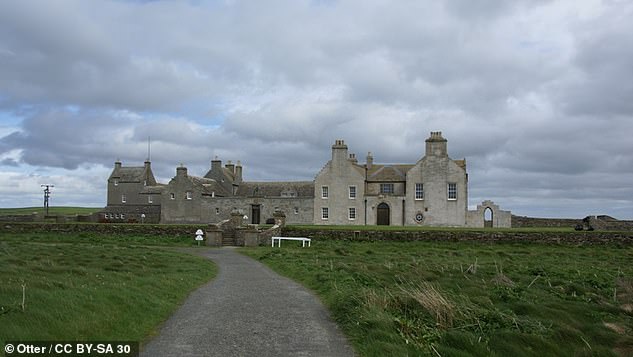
(255, 210)
(488, 217)
(382, 214)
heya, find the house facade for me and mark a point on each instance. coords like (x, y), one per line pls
(431, 192)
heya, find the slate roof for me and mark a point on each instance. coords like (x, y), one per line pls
(275, 189)
(129, 174)
(209, 186)
(388, 173)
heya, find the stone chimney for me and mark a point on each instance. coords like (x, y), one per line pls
(352, 158)
(339, 152)
(181, 171)
(370, 160)
(216, 164)
(238, 172)
(229, 166)
(436, 145)
(117, 165)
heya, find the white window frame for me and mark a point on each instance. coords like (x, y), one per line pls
(123, 199)
(296, 210)
(325, 192)
(352, 192)
(351, 213)
(189, 195)
(217, 210)
(419, 191)
(325, 213)
(150, 199)
(116, 182)
(172, 196)
(122, 216)
(451, 193)
(383, 189)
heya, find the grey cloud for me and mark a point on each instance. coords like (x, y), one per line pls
(533, 94)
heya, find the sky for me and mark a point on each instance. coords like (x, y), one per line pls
(536, 95)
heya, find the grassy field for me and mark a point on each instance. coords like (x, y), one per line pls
(88, 288)
(464, 298)
(51, 210)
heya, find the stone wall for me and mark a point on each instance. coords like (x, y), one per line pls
(524, 222)
(583, 237)
(110, 229)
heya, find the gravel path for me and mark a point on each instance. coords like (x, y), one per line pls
(248, 310)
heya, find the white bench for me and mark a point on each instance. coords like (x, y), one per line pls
(279, 239)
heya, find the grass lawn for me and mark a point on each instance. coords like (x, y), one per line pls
(51, 210)
(468, 298)
(88, 288)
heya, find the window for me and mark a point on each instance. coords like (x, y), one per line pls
(325, 192)
(123, 199)
(325, 213)
(188, 195)
(217, 210)
(116, 182)
(419, 191)
(122, 216)
(452, 191)
(145, 183)
(352, 213)
(172, 196)
(296, 210)
(149, 199)
(386, 188)
(352, 192)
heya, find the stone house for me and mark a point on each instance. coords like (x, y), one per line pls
(432, 192)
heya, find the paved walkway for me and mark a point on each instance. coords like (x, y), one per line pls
(248, 310)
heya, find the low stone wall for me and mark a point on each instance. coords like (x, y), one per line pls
(103, 228)
(524, 222)
(22, 218)
(583, 237)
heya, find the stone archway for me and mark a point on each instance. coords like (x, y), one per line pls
(488, 218)
(383, 214)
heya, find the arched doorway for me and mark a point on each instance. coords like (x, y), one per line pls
(488, 217)
(382, 214)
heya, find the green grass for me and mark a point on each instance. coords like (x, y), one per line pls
(78, 289)
(51, 210)
(467, 298)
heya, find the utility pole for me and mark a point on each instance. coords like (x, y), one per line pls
(47, 194)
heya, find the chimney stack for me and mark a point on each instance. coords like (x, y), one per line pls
(370, 160)
(238, 172)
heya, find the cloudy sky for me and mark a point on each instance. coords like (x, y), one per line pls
(536, 95)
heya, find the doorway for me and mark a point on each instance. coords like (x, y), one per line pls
(382, 214)
(488, 218)
(255, 213)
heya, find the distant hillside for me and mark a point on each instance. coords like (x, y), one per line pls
(51, 210)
